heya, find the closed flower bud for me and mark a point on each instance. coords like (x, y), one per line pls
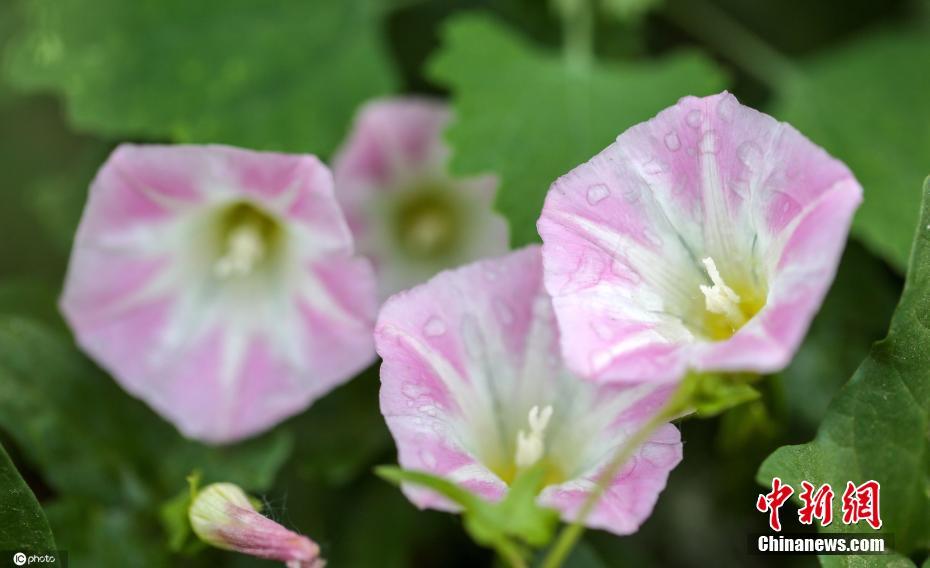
(222, 516)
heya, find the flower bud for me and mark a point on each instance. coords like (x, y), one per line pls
(223, 516)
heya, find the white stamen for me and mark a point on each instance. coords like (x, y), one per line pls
(244, 250)
(720, 298)
(531, 447)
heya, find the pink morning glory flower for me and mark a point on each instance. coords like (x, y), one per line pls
(408, 214)
(474, 390)
(219, 285)
(703, 239)
(222, 515)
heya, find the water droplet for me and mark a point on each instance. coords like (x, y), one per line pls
(750, 154)
(651, 237)
(708, 143)
(726, 108)
(632, 192)
(503, 311)
(602, 329)
(597, 193)
(434, 327)
(672, 142)
(654, 166)
(429, 410)
(691, 151)
(428, 459)
(412, 390)
(622, 269)
(471, 337)
(694, 118)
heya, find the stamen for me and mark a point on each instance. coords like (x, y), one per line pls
(720, 298)
(531, 447)
(245, 248)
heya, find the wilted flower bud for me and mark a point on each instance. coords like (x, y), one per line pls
(223, 516)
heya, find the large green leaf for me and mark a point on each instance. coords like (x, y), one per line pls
(877, 426)
(283, 75)
(866, 103)
(23, 526)
(531, 116)
(91, 439)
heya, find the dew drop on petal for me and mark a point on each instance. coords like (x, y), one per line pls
(503, 311)
(672, 142)
(597, 193)
(694, 118)
(708, 143)
(632, 192)
(429, 410)
(434, 327)
(726, 108)
(602, 330)
(654, 167)
(471, 337)
(412, 390)
(428, 459)
(750, 154)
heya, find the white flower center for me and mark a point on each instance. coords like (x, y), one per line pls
(531, 446)
(720, 298)
(245, 248)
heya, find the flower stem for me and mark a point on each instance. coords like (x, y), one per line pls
(578, 31)
(731, 39)
(676, 404)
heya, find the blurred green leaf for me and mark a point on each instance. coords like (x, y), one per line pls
(530, 117)
(866, 103)
(95, 534)
(46, 172)
(877, 426)
(91, 439)
(23, 526)
(281, 75)
(342, 435)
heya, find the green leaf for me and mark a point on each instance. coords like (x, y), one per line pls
(505, 526)
(530, 117)
(876, 427)
(91, 439)
(866, 103)
(95, 534)
(23, 526)
(283, 75)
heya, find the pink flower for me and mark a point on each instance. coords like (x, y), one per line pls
(408, 214)
(222, 515)
(219, 285)
(702, 239)
(473, 389)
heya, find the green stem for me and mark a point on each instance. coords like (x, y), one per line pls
(511, 557)
(570, 535)
(578, 31)
(716, 28)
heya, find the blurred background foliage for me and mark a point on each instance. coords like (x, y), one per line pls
(537, 88)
